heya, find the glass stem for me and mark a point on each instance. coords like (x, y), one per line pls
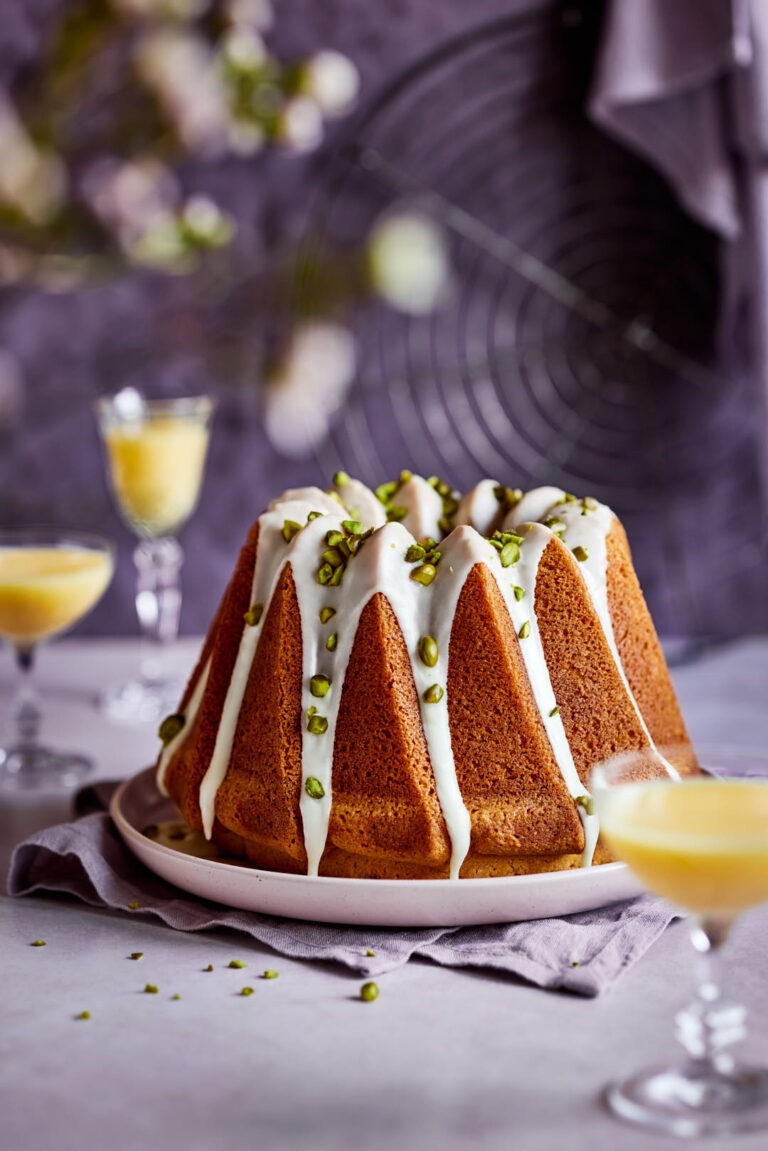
(158, 599)
(710, 1026)
(27, 706)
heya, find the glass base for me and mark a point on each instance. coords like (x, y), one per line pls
(141, 701)
(41, 769)
(687, 1102)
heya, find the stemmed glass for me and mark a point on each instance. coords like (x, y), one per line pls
(702, 843)
(156, 451)
(48, 580)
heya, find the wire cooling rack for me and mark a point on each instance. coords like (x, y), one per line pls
(578, 345)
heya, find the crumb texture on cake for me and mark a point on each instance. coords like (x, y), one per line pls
(412, 683)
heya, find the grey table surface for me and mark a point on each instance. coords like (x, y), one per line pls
(444, 1059)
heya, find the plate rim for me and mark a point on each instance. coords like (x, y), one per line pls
(548, 878)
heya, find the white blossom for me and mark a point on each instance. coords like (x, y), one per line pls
(332, 81)
(408, 262)
(309, 386)
(301, 124)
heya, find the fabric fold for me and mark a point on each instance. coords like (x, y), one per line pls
(582, 953)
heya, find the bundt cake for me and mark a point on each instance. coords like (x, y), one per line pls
(409, 684)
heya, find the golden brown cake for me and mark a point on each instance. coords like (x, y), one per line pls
(409, 684)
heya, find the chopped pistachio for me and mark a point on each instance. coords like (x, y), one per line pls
(209, 967)
(428, 543)
(405, 475)
(311, 710)
(589, 503)
(525, 630)
(424, 574)
(509, 554)
(313, 516)
(353, 527)
(555, 525)
(433, 694)
(237, 963)
(320, 685)
(150, 989)
(314, 787)
(587, 802)
(415, 554)
(396, 513)
(369, 952)
(435, 556)
(326, 614)
(554, 711)
(518, 591)
(496, 544)
(290, 529)
(254, 614)
(270, 973)
(340, 479)
(333, 557)
(134, 905)
(428, 653)
(575, 963)
(175, 997)
(170, 728)
(246, 991)
(566, 498)
(580, 553)
(324, 574)
(38, 943)
(136, 955)
(369, 992)
(332, 640)
(334, 537)
(384, 492)
(317, 725)
(338, 576)
(83, 1015)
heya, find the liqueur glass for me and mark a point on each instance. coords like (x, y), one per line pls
(155, 453)
(702, 843)
(49, 579)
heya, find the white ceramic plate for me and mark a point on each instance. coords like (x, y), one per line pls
(369, 902)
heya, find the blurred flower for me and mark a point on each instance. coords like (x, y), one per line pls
(242, 50)
(127, 197)
(180, 69)
(204, 225)
(309, 386)
(32, 180)
(332, 81)
(408, 262)
(300, 125)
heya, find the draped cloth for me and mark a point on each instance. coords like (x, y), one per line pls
(685, 84)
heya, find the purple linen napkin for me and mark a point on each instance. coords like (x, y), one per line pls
(582, 953)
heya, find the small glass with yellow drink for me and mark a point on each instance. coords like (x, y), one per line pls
(155, 452)
(48, 580)
(702, 843)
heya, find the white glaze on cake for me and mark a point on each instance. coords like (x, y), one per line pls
(380, 566)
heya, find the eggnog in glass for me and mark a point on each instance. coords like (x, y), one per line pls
(702, 843)
(155, 453)
(48, 580)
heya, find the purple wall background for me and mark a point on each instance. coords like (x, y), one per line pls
(142, 329)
